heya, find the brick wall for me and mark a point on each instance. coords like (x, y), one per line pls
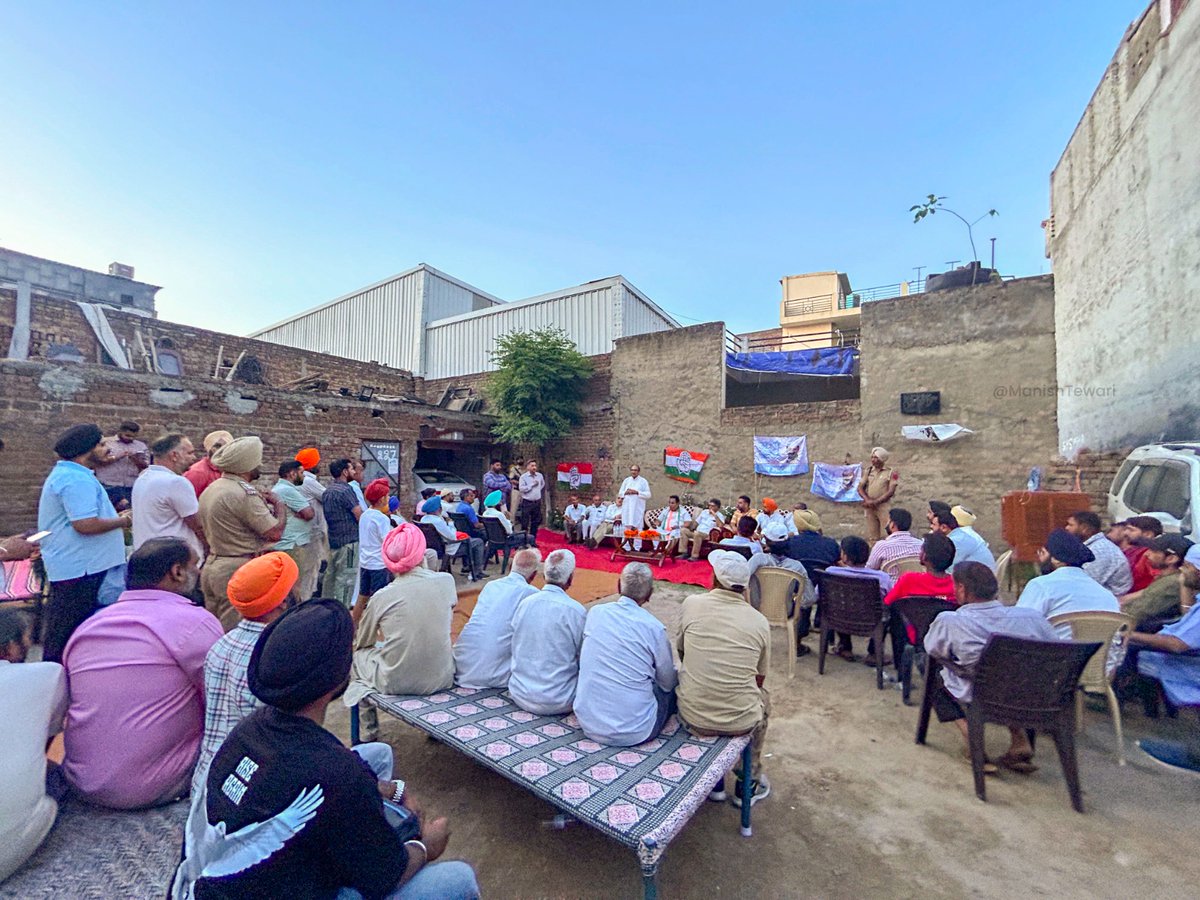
(38, 400)
(1095, 471)
(57, 321)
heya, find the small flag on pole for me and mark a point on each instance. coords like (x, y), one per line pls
(575, 475)
(683, 465)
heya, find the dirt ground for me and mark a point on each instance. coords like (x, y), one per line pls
(856, 809)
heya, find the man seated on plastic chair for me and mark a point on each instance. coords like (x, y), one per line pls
(1173, 658)
(956, 639)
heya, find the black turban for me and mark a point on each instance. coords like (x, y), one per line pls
(1067, 548)
(303, 654)
(77, 440)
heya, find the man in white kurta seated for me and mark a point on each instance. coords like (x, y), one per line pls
(483, 654)
(573, 516)
(33, 702)
(627, 676)
(696, 532)
(635, 491)
(593, 518)
(670, 522)
(608, 524)
(547, 632)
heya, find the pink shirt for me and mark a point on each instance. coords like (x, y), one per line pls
(135, 672)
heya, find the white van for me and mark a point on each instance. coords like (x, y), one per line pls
(1160, 480)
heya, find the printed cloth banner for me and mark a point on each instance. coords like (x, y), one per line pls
(934, 433)
(837, 483)
(683, 465)
(780, 455)
(575, 475)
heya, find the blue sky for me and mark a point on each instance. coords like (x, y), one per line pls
(258, 159)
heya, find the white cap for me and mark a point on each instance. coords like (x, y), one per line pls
(1193, 555)
(775, 531)
(730, 568)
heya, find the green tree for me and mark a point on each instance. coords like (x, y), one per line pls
(538, 385)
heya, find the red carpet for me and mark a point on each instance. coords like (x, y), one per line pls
(699, 573)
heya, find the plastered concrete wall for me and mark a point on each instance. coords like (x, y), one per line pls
(1124, 237)
(84, 284)
(990, 351)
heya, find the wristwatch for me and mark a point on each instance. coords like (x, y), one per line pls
(398, 797)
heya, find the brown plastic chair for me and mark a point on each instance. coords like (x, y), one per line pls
(1022, 684)
(919, 612)
(775, 588)
(901, 564)
(1111, 629)
(851, 605)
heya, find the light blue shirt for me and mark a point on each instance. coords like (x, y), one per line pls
(71, 493)
(297, 532)
(362, 500)
(547, 632)
(970, 547)
(483, 654)
(1178, 672)
(1066, 589)
(625, 654)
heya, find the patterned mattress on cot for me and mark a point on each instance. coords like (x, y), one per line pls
(640, 796)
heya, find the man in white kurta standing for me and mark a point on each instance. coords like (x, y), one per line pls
(635, 491)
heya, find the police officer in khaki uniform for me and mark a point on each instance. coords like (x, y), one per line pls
(239, 522)
(877, 488)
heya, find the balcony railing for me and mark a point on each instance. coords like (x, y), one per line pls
(821, 304)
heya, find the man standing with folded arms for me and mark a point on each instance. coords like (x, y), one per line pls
(239, 522)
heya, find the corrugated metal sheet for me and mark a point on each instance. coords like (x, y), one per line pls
(381, 323)
(463, 345)
(445, 298)
(640, 316)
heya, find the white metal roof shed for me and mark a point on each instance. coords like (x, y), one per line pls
(593, 315)
(436, 326)
(382, 322)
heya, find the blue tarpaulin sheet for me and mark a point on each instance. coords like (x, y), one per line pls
(821, 361)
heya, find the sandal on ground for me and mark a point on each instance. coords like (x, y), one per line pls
(847, 655)
(989, 767)
(1021, 763)
(870, 661)
(802, 650)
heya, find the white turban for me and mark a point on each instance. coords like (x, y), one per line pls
(881, 453)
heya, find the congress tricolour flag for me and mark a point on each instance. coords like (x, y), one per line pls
(780, 455)
(837, 483)
(575, 475)
(683, 465)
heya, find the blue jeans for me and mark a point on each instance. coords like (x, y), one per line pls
(451, 880)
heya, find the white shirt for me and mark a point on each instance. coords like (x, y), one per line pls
(161, 500)
(33, 701)
(575, 512)
(314, 491)
(625, 653)
(492, 513)
(373, 527)
(611, 512)
(789, 523)
(969, 546)
(445, 529)
(547, 632)
(483, 654)
(1110, 568)
(530, 485)
(706, 521)
(1066, 589)
(595, 514)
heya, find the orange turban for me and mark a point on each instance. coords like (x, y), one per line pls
(769, 505)
(309, 457)
(262, 584)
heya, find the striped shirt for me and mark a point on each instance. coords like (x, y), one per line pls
(227, 696)
(897, 545)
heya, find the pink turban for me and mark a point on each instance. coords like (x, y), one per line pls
(403, 548)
